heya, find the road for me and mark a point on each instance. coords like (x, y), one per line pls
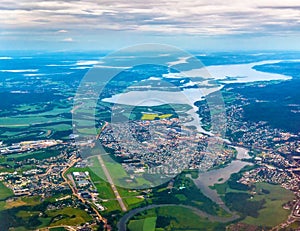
(112, 185)
(78, 196)
(67, 227)
(73, 161)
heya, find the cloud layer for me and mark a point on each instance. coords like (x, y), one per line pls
(206, 17)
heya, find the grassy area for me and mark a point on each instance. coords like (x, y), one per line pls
(26, 214)
(58, 229)
(30, 122)
(33, 200)
(2, 205)
(87, 131)
(104, 189)
(116, 171)
(59, 127)
(136, 225)
(185, 192)
(153, 116)
(111, 205)
(5, 192)
(4, 169)
(26, 120)
(272, 214)
(68, 216)
(22, 201)
(38, 154)
(263, 208)
(118, 174)
(102, 186)
(133, 202)
(172, 218)
(294, 226)
(147, 224)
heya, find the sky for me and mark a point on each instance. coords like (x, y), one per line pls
(112, 24)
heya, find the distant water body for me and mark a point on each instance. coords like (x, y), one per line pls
(221, 74)
(237, 73)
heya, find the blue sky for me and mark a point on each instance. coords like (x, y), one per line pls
(189, 24)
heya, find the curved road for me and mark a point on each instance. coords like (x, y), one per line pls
(123, 221)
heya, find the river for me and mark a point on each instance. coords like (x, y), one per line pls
(123, 221)
(203, 182)
(221, 175)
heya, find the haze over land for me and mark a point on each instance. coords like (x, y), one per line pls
(200, 25)
(150, 137)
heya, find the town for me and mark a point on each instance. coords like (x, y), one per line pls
(149, 145)
(162, 146)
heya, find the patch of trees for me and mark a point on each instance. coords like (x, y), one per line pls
(240, 202)
(232, 182)
(163, 221)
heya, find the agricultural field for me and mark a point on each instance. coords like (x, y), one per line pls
(5, 192)
(31, 121)
(274, 196)
(257, 205)
(147, 224)
(155, 116)
(172, 218)
(37, 154)
(22, 201)
(68, 216)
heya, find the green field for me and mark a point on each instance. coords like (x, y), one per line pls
(27, 214)
(36, 121)
(102, 186)
(38, 154)
(172, 218)
(27, 120)
(116, 171)
(132, 202)
(294, 226)
(136, 225)
(58, 229)
(185, 192)
(261, 207)
(68, 216)
(30, 213)
(147, 224)
(154, 116)
(104, 189)
(22, 201)
(5, 192)
(272, 214)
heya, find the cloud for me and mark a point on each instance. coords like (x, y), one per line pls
(206, 17)
(62, 31)
(68, 40)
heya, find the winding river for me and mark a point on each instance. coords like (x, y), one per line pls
(203, 182)
(221, 175)
(123, 221)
